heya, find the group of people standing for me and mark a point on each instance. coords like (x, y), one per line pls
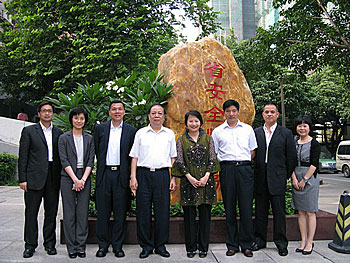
(140, 160)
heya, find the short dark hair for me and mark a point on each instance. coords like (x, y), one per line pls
(230, 103)
(271, 103)
(76, 111)
(195, 114)
(43, 103)
(115, 101)
(156, 104)
(302, 119)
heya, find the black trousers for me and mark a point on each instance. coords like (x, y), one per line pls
(262, 205)
(111, 196)
(32, 199)
(197, 234)
(153, 189)
(75, 212)
(237, 184)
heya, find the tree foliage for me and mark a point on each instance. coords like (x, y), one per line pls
(315, 33)
(58, 43)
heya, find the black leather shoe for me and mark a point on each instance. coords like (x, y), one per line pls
(191, 254)
(298, 250)
(202, 254)
(101, 252)
(119, 253)
(255, 247)
(248, 253)
(82, 254)
(163, 253)
(144, 253)
(283, 252)
(230, 252)
(51, 251)
(28, 252)
(72, 255)
(308, 252)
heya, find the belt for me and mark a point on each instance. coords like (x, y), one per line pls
(306, 164)
(113, 167)
(237, 163)
(153, 169)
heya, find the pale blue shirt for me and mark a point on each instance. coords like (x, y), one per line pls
(154, 149)
(234, 144)
(113, 151)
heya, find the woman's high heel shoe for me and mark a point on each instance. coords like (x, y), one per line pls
(298, 250)
(308, 252)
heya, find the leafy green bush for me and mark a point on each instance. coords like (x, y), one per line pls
(7, 168)
(137, 93)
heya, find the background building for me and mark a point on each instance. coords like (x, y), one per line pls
(236, 14)
(266, 14)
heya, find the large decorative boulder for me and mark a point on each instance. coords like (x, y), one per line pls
(204, 74)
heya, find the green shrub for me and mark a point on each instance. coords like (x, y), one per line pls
(7, 168)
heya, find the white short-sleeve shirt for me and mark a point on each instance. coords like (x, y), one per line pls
(234, 144)
(154, 149)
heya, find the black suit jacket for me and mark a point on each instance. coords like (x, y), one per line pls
(68, 152)
(101, 138)
(33, 157)
(281, 160)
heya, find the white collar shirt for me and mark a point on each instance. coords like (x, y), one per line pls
(113, 150)
(268, 137)
(48, 137)
(152, 149)
(234, 144)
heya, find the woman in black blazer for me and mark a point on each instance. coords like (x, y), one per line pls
(77, 152)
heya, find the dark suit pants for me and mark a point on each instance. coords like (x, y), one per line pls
(192, 232)
(237, 184)
(32, 199)
(262, 205)
(153, 188)
(111, 196)
(75, 213)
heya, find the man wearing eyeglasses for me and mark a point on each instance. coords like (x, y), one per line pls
(39, 169)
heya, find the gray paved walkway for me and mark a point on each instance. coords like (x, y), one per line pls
(11, 240)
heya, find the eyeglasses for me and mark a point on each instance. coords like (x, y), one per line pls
(46, 111)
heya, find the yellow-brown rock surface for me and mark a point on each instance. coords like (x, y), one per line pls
(204, 74)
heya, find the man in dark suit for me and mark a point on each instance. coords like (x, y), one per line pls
(39, 170)
(275, 161)
(113, 141)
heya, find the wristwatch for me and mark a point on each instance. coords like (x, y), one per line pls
(305, 180)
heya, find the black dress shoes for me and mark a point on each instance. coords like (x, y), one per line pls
(305, 252)
(283, 252)
(119, 253)
(191, 254)
(28, 252)
(164, 253)
(255, 247)
(203, 254)
(51, 251)
(82, 254)
(298, 250)
(230, 252)
(248, 253)
(144, 253)
(72, 255)
(101, 252)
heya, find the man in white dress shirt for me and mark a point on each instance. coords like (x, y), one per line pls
(153, 153)
(234, 144)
